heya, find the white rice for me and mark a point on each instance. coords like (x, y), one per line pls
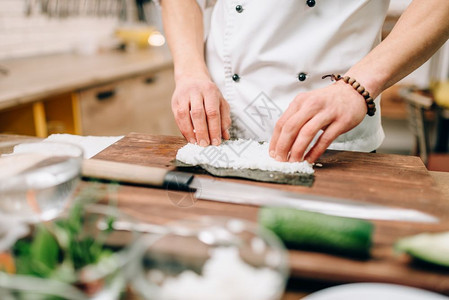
(239, 154)
(225, 276)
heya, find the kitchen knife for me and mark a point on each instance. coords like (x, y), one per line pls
(231, 192)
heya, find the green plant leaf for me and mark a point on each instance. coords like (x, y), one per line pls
(44, 250)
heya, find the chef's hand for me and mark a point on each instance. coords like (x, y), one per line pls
(335, 109)
(201, 112)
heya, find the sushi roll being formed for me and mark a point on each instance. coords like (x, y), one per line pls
(239, 154)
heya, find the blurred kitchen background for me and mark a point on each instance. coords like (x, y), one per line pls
(102, 67)
(40, 27)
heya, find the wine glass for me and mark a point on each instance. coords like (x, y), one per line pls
(37, 180)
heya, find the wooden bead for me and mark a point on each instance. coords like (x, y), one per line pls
(356, 85)
(370, 105)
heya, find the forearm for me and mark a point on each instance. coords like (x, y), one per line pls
(183, 25)
(420, 32)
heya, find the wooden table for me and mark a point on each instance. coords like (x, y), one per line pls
(377, 178)
(34, 78)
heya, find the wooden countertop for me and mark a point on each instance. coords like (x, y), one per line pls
(388, 179)
(34, 78)
(314, 271)
(442, 182)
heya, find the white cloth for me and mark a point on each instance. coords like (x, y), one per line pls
(91, 145)
(270, 42)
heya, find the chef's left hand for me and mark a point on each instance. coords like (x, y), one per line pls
(335, 109)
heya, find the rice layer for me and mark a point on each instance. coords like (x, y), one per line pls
(239, 154)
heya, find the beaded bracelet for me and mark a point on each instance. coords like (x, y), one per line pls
(360, 89)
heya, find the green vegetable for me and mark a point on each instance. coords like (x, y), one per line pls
(428, 247)
(38, 257)
(318, 231)
(59, 249)
(73, 250)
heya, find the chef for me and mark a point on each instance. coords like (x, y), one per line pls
(305, 75)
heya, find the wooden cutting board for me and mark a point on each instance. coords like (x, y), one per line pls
(368, 177)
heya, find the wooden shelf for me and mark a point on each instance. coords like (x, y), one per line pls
(57, 114)
(18, 120)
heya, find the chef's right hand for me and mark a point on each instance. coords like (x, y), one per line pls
(201, 112)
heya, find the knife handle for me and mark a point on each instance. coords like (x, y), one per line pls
(134, 174)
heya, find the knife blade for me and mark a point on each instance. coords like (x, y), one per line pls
(223, 191)
(243, 193)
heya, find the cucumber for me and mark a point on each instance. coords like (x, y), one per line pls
(429, 247)
(317, 231)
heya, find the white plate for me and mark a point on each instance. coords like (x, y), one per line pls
(374, 291)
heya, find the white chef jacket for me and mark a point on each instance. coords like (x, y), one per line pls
(262, 53)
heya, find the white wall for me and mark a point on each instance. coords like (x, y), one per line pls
(38, 34)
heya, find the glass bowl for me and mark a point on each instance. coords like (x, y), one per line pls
(211, 258)
(79, 255)
(38, 179)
